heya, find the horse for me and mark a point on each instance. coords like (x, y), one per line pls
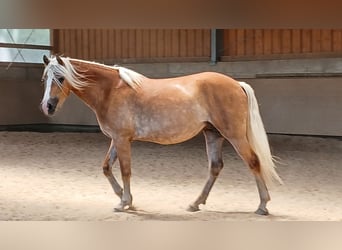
(132, 107)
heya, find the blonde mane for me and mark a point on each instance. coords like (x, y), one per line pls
(79, 80)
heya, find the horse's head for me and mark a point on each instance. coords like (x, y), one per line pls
(57, 88)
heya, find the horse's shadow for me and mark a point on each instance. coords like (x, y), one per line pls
(207, 215)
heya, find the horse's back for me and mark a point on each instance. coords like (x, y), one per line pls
(210, 78)
(210, 90)
(194, 83)
(217, 88)
(215, 80)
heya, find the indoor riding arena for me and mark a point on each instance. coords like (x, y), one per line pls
(51, 167)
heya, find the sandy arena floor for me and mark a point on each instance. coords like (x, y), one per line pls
(58, 176)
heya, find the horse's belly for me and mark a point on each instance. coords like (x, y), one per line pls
(169, 127)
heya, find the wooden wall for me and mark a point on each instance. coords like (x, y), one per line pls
(133, 45)
(158, 45)
(258, 43)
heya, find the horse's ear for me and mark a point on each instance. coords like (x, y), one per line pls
(59, 60)
(46, 60)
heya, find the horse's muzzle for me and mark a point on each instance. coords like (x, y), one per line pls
(49, 107)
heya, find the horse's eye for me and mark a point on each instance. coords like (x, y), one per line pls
(61, 79)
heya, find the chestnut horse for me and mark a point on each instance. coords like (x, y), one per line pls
(130, 106)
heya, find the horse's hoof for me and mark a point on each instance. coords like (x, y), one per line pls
(193, 208)
(123, 208)
(262, 211)
(119, 209)
(132, 208)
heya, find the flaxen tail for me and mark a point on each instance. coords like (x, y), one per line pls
(257, 138)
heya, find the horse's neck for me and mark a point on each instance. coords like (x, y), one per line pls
(101, 83)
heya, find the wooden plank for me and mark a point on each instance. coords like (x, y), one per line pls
(276, 42)
(104, 38)
(225, 42)
(306, 41)
(124, 44)
(259, 42)
(85, 44)
(267, 42)
(240, 40)
(61, 43)
(139, 43)
(73, 45)
(118, 42)
(153, 43)
(198, 43)
(191, 42)
(250, 50)
(131, 43)
(98, 44)
(296, 41)
(161, 43)
(168, 43)
(316, 40)
(146, 43)
(337, 40)
(175, 42)
(326, 37)
(92, 44)
(72, 42)
(111, 39)
(206, 42)
(67, 42)
(183, 42)
(286, 41)
(61, 46)
(229, 42)
(55, 41)
(79, 44)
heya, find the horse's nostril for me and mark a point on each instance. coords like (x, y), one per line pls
(49, 106)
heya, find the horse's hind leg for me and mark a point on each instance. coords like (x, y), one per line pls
(111, 157)
(251, 159)
(214, 142)
(124, 154)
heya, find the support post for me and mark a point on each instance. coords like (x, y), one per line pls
(213, 49)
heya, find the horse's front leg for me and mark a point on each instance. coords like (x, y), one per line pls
(107, 169)
(124, 154)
